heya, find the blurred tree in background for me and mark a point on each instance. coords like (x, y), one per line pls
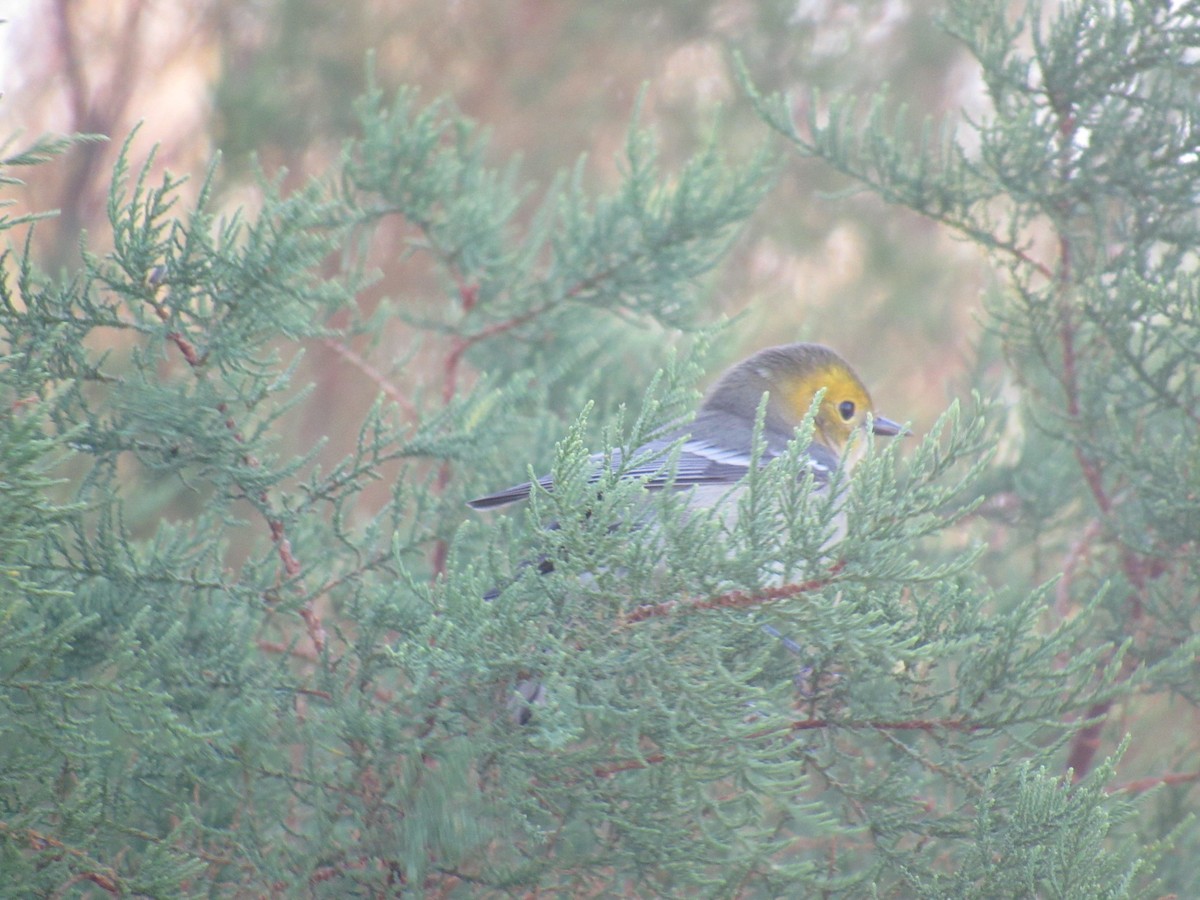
(550, 81)
(246, 648)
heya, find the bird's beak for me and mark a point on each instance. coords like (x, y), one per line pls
(884, 426)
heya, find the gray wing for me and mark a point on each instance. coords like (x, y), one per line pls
(509, 495)
(699, 462)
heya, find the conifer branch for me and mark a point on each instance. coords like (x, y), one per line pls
(283, 545)
(910, 740)
(1140, 785)
(386, 385)
(103, 877)
(930, 726)
(736, 599)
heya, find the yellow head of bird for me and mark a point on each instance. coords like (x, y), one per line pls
(793, 374)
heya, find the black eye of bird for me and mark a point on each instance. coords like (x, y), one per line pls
(846, 408)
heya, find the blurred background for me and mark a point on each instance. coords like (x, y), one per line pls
(270, 85)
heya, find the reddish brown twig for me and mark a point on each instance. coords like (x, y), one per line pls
(628, 765)
(1086, 742)
(21, 402)
(283, 545)
(929, 726)
(105, 878)
(468, 296)
(736, 599)
(385, 384)
(1151, 781)
(926, 725)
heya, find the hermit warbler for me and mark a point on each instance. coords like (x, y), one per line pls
(717, 445)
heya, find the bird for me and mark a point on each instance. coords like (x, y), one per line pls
(718, 444)
(717, 448)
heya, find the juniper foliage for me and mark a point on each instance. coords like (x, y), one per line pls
(1080, 182)
(229, 666)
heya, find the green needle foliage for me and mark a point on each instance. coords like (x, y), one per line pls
(231, 665)
(1080, 182)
